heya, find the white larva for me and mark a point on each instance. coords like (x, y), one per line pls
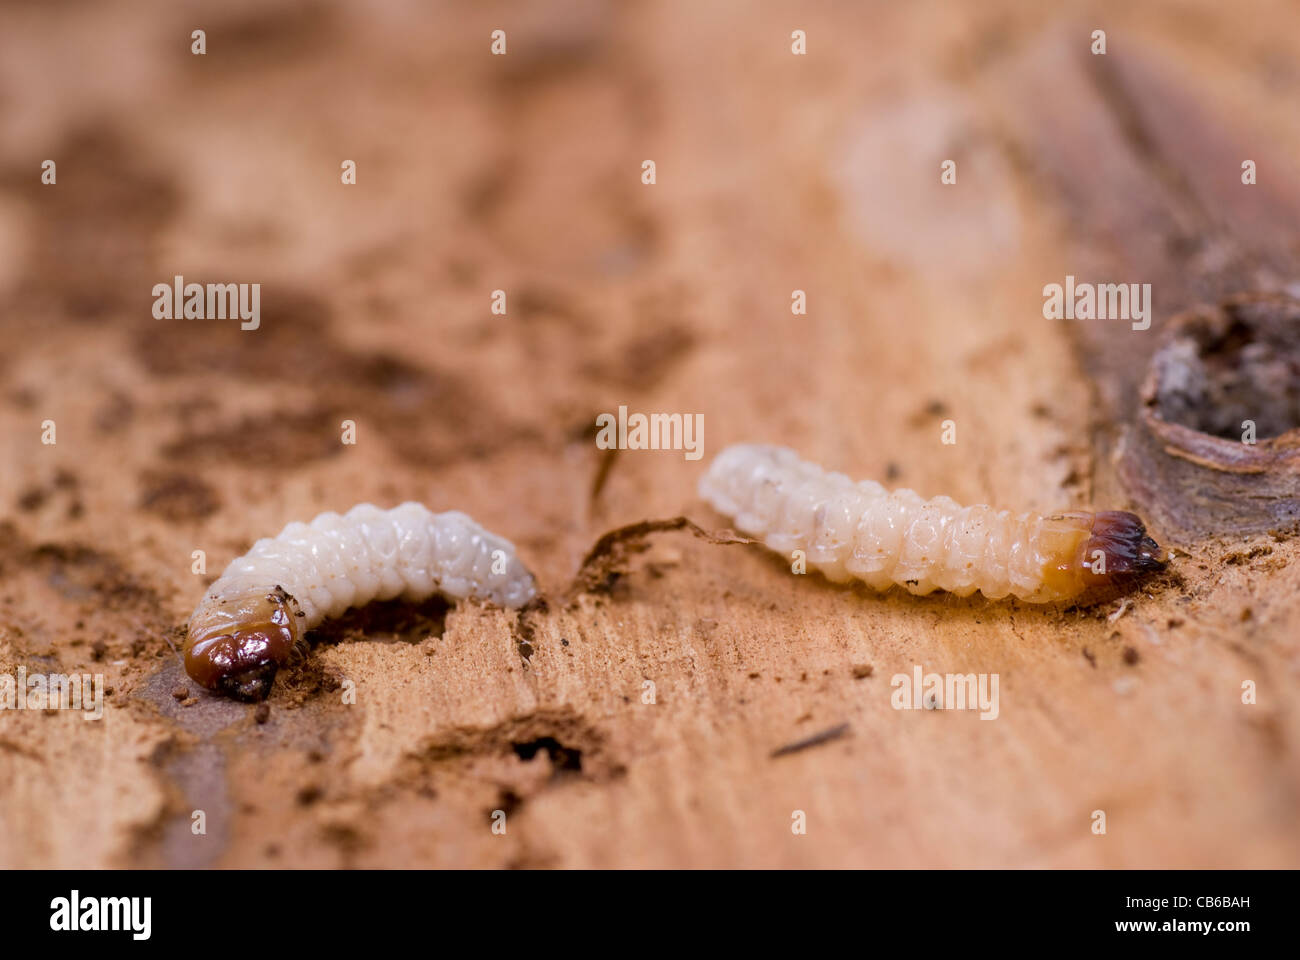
(255, 615)
(859, 530)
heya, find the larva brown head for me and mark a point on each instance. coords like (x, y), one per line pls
(1119, 550)
(239, 648)
(1088, 551)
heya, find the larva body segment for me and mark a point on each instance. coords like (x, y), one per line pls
(859, 530)
(254, 617)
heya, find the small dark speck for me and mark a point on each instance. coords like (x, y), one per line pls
(1131, 656)
(1090, 657)
(817, 739)
(936, 408)
(262, 713)
(31, 500)
(862, 671)
(309, 795)
(893, 471)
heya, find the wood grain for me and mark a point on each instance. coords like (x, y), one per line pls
(774, 173)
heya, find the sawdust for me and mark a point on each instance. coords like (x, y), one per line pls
(630, 717)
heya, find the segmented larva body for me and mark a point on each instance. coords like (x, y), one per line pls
(254, 617)
(860, 530)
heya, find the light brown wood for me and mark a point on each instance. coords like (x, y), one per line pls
(775, 173)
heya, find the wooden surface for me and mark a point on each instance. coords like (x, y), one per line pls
(774, 173)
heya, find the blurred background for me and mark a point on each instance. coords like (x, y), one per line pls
(774, 173)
